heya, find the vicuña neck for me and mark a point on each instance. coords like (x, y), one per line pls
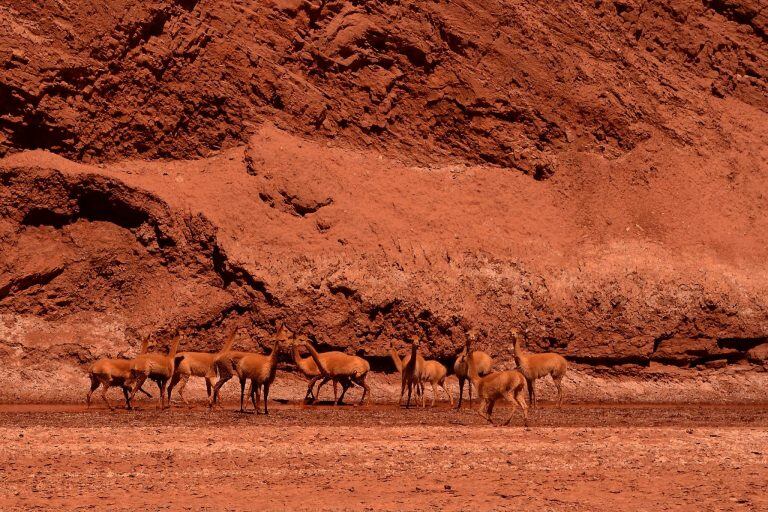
(297, 355)
(519, 352)
(396, 358)
(471, 370)
(313, 353)
(174, 347)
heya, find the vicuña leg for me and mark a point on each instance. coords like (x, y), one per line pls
(266, 397)
(366, 388)
(223, 379)
(182, 385)
(518, 398)
(345, 385)
(127, 397)
(208, 386)
(242, 393)
(461, 391)
(482, 410)
(310, 389)
(410, 389)
(252, 393)
(161, 384)
(94, 384)
(104, 389)
(140, 378)
(450, 396)
(258, 397)
(322, 383)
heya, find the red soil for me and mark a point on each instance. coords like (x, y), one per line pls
(326, 458)
(593, 174)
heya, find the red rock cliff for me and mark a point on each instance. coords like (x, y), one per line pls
(592, 173)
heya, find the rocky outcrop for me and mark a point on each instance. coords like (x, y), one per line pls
(488, 81)
(156, 247)
(592, 175)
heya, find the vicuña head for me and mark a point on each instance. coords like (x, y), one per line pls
(283, 332)
(516, 348)
(301, 339)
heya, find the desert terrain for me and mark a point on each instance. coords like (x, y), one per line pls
(590, 175)
(585, 457)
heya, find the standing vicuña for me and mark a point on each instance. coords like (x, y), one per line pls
(536, 366)
(483, 364)
(157, 367)
(435, 373)
(413, 373)
(197, 364)
(225, 363)
(507, 384)
(260, 370)
(400, 364)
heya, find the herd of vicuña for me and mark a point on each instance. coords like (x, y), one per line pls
(173, 370)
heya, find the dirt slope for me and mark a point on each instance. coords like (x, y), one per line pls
(594, 174)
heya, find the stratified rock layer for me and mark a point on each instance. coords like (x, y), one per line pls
(594, 176)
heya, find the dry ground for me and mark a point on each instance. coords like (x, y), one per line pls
(583, 457)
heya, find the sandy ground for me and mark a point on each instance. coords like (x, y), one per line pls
(582, 457)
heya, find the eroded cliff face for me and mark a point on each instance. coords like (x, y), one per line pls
(592, 175)
(483, 81)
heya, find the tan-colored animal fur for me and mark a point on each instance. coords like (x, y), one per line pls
(308, 367)
(536, 366)
(434, 373)
(107, 372)
(157, 367)
(343, 368)
(225, 363)
(412, 373)
(483, 364)
(508, 384)
(260, 370)
(399, 363)
(197, 364)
